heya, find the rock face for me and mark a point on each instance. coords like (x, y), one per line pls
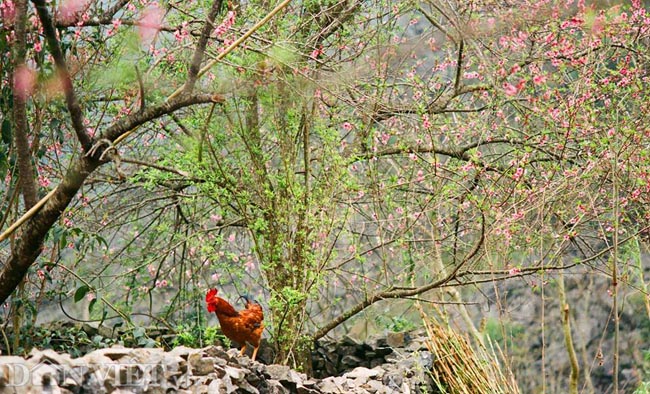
(208, 370)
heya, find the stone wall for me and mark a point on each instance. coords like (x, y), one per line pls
(369, 368)
(334, 358)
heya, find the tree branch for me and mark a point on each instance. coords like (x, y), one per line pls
(199, 52)
(76, 115)
(235, 44)
(126, 124)
(26, 170)
(392, 292)
(38, 222)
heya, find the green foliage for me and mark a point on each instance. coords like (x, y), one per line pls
(196, 336)
(504, 334)
(644, 386)
(64, 338)
(395, 323)
(138, 335)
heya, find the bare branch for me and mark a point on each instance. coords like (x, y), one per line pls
(394, 293)
(38, 222)
(459, 65)
(76, 115)
(199, 52)
(235, 44)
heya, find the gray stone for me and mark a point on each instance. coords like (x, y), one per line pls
(114, 353)
(200, 365)
(396, 339)
(375, 386)
(237, 374)
(350, 361)
(214, 370)
(182, 351)
(393, 380)
(332, 385)
(362, 372)
(417, 345)
(426, 359)
(277, 372)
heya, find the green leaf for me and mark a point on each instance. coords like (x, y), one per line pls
(92, 305)
(6, 131)
(80, 293)
(138, 332)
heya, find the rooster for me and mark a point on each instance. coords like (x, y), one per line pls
(242, 327)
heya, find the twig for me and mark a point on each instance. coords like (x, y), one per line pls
(76, 115)
(26, 216)
(234, 45)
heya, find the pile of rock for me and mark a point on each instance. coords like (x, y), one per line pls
(210, 370)
(334, 358)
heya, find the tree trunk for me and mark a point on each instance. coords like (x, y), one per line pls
(30, 242)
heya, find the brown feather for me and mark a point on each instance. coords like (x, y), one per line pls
(245, 326)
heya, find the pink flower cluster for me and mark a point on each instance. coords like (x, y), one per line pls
(226, 24)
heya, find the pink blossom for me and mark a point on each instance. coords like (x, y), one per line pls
(43, 181)
(151, 22)
(514, 271)
(425, 121)
(181, 33)
(38, 47)
(116, 24)
(518, 173)
(509, 89)
(432, 43)
(420, 176)
(223, 27)
(8, 11)
(539, 79)
(515, 68)
(24, 82)
(69, 9)
(347, 126)
(521, 84)
(315, 53)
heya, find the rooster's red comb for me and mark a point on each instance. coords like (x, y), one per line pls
(210, 295)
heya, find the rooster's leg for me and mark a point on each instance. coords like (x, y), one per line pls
(243, 349)
(255, 353)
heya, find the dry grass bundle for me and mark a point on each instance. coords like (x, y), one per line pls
(460, 368)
